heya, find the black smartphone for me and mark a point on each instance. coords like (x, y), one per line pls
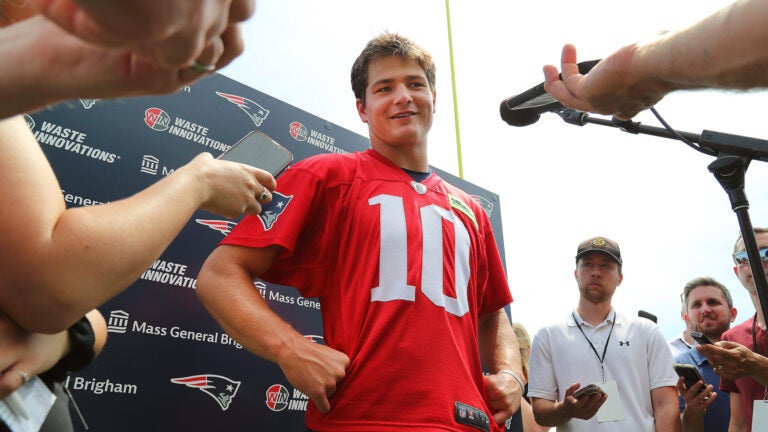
(690, 375)
(700, 338)
(587, 390)
(259, 150)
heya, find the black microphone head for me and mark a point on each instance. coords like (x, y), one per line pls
(518, 118)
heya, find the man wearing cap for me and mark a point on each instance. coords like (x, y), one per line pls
(626, 357)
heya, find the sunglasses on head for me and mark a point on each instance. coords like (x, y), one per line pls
(740, 258)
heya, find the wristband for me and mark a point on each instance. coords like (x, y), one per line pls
(81, 352)
(513, 375)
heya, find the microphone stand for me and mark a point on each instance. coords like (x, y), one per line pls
(733, 152)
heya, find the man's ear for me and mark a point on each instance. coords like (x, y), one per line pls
(361, 110)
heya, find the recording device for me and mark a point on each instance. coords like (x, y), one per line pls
(700, 338)
(690, 375)
(526, 108)
(257, 149)
(587, 390)
(647, 315)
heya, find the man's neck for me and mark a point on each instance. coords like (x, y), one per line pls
(593, 313)
(756, 303)
(412, 158)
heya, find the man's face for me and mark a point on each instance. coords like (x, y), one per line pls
(708, 311)
(743, 272)
(399, 103)
(597, 275)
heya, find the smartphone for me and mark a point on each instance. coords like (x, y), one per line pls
(690, 375)
(587, 390)
(259, 150)
(700, 338)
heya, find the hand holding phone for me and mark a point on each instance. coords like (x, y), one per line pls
(257, 149)
(690, 374)
(587, 390)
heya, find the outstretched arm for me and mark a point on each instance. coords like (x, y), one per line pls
(91, 254)
(726, 50)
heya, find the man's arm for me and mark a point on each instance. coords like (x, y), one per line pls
(225, 287)
(666, 409)
(499, 351)
(737, 423)
(696, 404)
(92, 253)
(725, 50)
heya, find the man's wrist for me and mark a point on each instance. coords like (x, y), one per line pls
(513, 375)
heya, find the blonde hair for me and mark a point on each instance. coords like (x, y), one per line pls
(524, 341)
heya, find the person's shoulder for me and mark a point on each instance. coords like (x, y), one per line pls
(326, 164)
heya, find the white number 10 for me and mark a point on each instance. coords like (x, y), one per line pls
(393, 256)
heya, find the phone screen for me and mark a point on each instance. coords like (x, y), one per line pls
(259, 150)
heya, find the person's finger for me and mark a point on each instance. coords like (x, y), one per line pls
(568, 62)
(241, 10)
(322, 403)
(233, 44)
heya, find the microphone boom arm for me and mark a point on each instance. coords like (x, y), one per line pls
(733, 152)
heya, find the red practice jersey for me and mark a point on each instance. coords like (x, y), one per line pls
(403, 270)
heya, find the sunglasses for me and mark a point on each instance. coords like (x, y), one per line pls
(740, 258)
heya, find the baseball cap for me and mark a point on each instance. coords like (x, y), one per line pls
(600, 244)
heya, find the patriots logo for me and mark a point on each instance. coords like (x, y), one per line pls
(315, 338)
(256, 112)
(221, 226)
(221, 388)
(486, 204)
(274, 209)
(88, 103)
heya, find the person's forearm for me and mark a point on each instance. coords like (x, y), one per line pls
(760, 369)
(725, 50)
(499, 349)
(692, 422)
(549, 413)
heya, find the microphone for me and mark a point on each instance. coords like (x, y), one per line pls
(526, 108)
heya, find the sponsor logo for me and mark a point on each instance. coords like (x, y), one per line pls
(71, 140)
(30, 121)
(255, 112)
(157, 119)
(224, 227)
(150, 164)
(77, 200)
(169, 273)
(219, 387)
(118, 321)
(279, 399)
(485, 203)
(274, 209)
(459, 205)
(298, 131)
(88, 103)
(325, 142)
(99, 387)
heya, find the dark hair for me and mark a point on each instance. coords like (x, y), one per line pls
(387, 45)
(705, 281)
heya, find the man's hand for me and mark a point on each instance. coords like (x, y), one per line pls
(504, 394)
(732, 360)
(316, 370)
(583, 408)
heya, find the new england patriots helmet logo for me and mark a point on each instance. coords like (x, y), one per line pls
(274, 209)
(220, 388)
(256, 112)
(221, 226)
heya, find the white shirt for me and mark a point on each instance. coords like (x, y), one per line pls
(638, 359)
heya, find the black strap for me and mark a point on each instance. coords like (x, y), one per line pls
(605, 348)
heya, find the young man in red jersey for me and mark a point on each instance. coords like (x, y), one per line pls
(405, 266)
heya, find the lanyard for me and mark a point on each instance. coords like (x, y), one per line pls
(754, 335)
(594, 350)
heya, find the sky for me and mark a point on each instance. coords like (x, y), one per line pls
(558, 184)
